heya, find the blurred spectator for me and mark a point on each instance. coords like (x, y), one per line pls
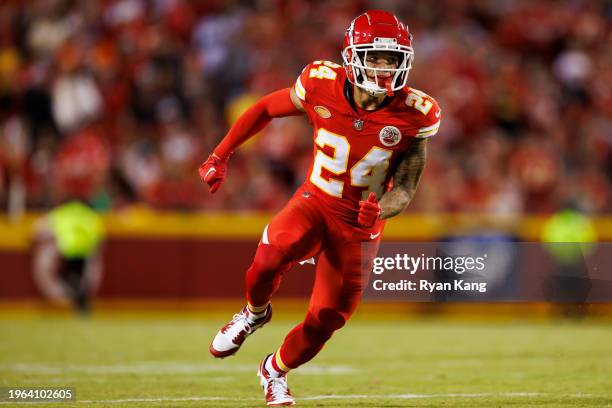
(67, 254)
(145, 88)
(569, 237)
(75, 98)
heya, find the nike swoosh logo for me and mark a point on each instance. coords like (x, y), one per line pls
(437, 114)
(307, 261)
(374, 236)
(208, 172)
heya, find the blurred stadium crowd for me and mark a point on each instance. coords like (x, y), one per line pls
(121, 100)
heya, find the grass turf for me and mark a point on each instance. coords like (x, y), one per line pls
(163, 361)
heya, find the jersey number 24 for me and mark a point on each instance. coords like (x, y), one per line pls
(369, 172)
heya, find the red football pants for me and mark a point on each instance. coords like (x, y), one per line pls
(302, 230)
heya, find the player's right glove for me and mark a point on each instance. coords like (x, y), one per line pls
(212, 172)
(369, 211)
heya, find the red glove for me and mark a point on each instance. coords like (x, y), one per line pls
(368, 211)
(212, 172)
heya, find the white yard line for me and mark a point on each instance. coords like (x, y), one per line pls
(156, 368)
(417, 396)
(176, 399)
(64, 373)
(334, 397)
(345, 397)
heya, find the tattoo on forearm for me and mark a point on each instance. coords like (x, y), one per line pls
(405, 179)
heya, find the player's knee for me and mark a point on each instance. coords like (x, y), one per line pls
(325, 321)
(331, 319)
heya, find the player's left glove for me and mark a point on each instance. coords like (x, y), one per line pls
(369, 211)
(212, 172)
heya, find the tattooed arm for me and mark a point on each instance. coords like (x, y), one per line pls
(405, 179)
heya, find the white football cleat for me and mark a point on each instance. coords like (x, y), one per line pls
(231, 336)
(275, 389)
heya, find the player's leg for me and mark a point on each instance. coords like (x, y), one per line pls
(332, 302)
(335, 297)
(336, 294)
(73, 274)
(293, 235)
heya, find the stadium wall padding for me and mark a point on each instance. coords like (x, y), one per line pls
(187, 255)
(162, 268)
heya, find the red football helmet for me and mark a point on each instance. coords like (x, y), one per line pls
(377, 30)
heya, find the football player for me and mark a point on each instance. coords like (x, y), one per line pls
(370, 136)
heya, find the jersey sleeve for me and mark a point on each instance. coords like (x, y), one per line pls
(428, 110)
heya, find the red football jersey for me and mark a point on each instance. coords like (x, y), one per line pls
(355, 151)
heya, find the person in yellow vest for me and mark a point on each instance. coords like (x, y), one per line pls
(569, 236)
(69, 247)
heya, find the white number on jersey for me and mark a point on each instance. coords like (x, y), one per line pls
(336, 164)
(327, 63)
(324, 70)
(416, 99)
(369, 172)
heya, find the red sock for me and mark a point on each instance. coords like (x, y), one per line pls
(275, 366)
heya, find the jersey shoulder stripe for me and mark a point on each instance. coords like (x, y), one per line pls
(300, 91)
(429, 130)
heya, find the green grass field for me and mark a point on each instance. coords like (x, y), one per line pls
(149, 360)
